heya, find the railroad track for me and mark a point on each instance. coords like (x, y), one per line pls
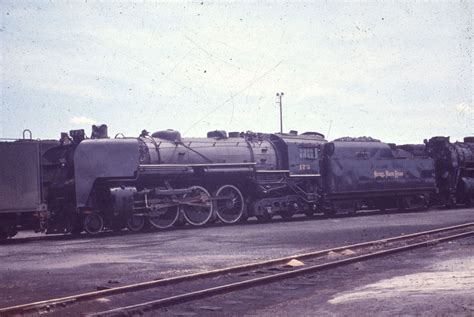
(129, 300)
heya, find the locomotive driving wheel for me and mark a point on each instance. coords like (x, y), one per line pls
(229, 204)
(93, 223)
(197, 206)
(135, 223)
(164, 218)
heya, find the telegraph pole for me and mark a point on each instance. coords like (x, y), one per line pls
(280, 96)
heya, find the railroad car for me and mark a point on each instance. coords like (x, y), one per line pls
(24, 178)
(363, 172)
(454, 164)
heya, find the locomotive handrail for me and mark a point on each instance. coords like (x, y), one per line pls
(195, 165)
(273, 171)
(305, 175)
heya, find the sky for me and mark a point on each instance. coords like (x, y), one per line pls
(396, 71)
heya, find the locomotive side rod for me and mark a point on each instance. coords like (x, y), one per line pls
(64, 301)
(227, 288)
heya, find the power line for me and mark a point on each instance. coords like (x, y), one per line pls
(233, 96)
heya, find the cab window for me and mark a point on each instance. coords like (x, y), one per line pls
(307, 152)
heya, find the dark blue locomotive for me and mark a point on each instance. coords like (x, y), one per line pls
(163, 180)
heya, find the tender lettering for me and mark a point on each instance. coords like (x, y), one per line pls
(388, 174)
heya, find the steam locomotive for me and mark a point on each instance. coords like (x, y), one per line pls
(454, 167)
(163, 180)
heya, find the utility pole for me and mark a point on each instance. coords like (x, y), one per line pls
(280, 96)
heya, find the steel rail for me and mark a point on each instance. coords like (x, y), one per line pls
(179, 299)
(178, 279)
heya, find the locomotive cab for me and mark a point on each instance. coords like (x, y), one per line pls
(295, 187)
(300, 153)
